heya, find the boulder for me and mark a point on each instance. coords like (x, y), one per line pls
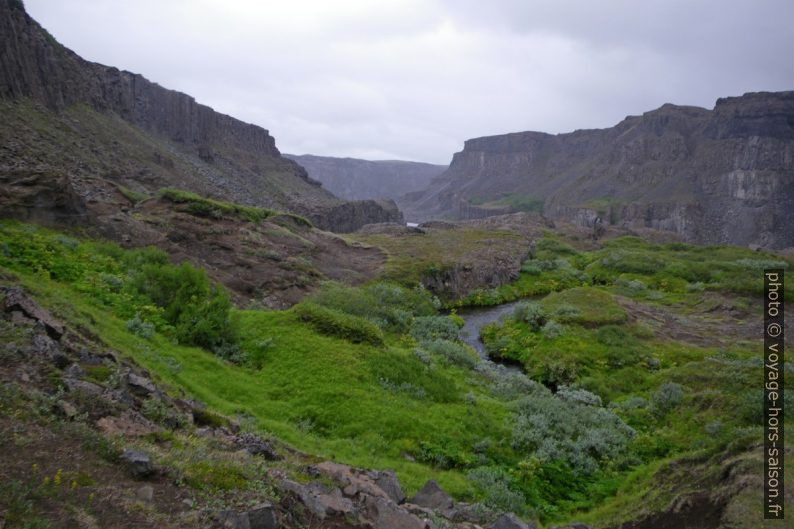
(320, 500)
(66, 409)
(256, 446)
(145, 493)
(130, 423)
(17, 300)
(433, 497)
(388, 483)
(353, 481)
(138, 463)
(82, 386)
(140, 386)
(510, 521)
(385, 514)
(233, 520)
(262, 516)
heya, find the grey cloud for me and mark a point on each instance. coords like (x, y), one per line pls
(413, 79)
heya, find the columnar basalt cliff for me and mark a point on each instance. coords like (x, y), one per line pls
(125, 128)
(714, 176)
(355, 179)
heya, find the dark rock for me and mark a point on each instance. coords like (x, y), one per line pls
(433, 497)
(262, 516)
(17, 317)
(347, 217)
(574, 525)
(321, 501)
(145, 493)
(510, 521)
(138, 463)
(74, 371)
(385, 514)
(43, 345)
(140, 386)
(233, 520)
(82, 386)
(465, 512)
(256, 446)
(17, 300)
(387, 480)
(66, 409)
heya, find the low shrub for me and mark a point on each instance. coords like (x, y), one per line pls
(427, 328)
(556, 429)
(390, 306)
(551, 329)
(137, 326)
(453, 352)
(495, 486)
(532, 314)
(666, 397)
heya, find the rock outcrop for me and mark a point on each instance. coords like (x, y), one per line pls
(355, 179)
(349, 216)
(95, 121)
(713, 176)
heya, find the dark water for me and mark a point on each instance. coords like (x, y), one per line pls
(477, 318)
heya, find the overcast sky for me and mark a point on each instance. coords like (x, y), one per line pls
(412, 79)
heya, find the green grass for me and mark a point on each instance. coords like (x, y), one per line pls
(348, 375)
(207, 207)
(413, 256)
(588, 306)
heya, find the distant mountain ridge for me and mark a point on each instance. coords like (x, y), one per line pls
(177, 142)
(357, 179)
(714, 176)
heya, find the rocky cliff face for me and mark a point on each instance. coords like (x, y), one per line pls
(350, 216)
(77, 117)
(714, 176)
(355, 179)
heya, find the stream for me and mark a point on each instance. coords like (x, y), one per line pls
(478, 317)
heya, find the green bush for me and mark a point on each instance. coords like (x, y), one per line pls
(496, 487)
(136, 325)
(390, 306)
(581, 435)
(428, 328)
(668, 396)
(199, 311)
(551, 329)
(532, 314)
(453, 352)
(140, 286)
(335, 323)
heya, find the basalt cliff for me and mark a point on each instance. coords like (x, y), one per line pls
(69, 118)
(355, 179)
(724, 175)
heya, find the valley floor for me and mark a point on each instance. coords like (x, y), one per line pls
(638, 405)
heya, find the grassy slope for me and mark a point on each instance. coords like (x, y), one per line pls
(324, 394)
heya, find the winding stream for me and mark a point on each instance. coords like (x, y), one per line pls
(477, 318)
